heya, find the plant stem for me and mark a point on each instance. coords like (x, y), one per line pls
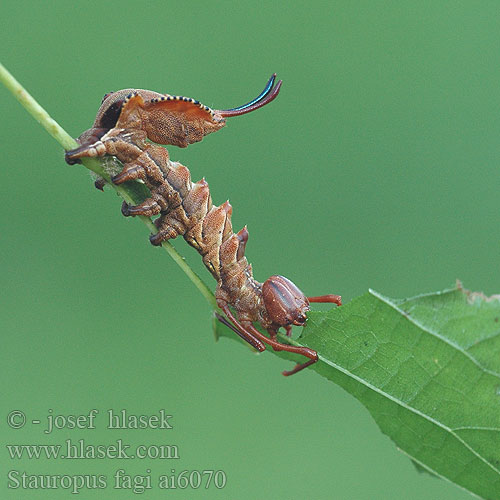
(127, 191)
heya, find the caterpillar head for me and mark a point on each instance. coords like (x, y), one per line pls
(171, 119)
(285, 304)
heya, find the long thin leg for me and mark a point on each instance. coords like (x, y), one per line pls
(334, 299)
(299, 367)
(257, 344)
(249, 329)
(278, 346)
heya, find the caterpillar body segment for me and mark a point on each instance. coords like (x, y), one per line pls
(125, 123)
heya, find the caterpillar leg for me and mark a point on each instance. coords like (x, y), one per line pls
(298, 367)
(85, 151)
(158, 238)
(130, 172)
(91, 146)
(257, 344)
(100, 183)
(148, 208)
(333, 299)
(247, 329)
(170, 225)
(153, 205)
(165, 232)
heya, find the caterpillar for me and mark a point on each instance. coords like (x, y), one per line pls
(125, 121)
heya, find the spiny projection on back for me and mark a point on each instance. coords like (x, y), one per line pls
(124, 123)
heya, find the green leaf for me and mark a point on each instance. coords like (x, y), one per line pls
(428, 370)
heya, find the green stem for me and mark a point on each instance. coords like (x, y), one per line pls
(129, 191)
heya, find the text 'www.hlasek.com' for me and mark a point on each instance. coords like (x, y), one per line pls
(71, 449)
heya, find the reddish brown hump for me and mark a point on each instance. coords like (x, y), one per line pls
(243, 238)
(179, 178)
(213, 226)
(196, 203)
(228, 251)
(227, 207)
(284, 302)
(228, 226)
(178, 120)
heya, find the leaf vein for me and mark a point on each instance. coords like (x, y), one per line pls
(434, 334)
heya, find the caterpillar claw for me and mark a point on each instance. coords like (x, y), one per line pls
(125, 209)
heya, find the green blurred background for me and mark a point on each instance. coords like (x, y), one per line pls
(377, 167)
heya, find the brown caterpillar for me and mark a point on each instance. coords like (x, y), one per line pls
(124, 122)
